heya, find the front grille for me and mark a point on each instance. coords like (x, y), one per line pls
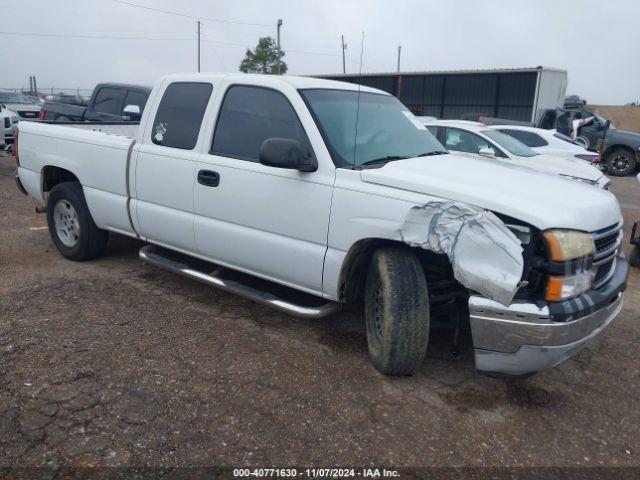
(7, 122)
(27, 114)
(607, 242)
(603, 270)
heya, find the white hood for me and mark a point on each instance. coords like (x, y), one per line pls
(562, 165)
(542, 200)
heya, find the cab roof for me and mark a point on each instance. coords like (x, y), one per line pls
(297, 82)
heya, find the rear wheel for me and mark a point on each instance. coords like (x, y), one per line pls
(621, 162)
(396, 311)
(72, 229)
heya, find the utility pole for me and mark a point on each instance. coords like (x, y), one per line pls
(399, 50)
(198, 45)
(344, 48)
(278, 25)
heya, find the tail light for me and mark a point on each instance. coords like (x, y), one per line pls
(15, 147)
(589, 157)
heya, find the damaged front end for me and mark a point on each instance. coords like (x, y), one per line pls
(485, 255)
(518, 325)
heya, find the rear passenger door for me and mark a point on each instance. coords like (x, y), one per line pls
(268, 221)
(165, 166)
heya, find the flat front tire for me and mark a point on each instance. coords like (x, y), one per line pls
(72, 229)
(396, 311)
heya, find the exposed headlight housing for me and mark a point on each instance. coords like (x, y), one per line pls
(564, 245)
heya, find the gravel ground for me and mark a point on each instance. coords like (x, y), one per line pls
(117, 363)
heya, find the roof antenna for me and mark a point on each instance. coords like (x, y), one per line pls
(355, 138)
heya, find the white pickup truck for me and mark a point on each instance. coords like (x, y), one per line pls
(335, 191)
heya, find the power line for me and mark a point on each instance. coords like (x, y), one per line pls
(110, 37)
(168, 12)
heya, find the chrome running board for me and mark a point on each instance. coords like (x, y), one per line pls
(148, 255)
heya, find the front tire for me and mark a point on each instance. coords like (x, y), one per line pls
(72, 229)
(621, 162)
(396, 311)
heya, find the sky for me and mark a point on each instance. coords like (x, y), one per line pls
(596, 41)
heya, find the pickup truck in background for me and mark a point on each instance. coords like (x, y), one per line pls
(109, 102)
(332, 195)
(24, 107)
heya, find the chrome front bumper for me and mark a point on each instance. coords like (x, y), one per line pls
(522, 338)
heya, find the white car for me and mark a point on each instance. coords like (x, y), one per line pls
(549, 142)
(267, 175)
(474, 138)
(9, 120)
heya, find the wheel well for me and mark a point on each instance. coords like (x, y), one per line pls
(354, 268)
(438, 270)
(52, 176)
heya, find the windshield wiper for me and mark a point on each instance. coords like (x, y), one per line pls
(435, 152)
(388, 158)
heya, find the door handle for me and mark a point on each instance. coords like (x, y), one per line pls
(208, 178)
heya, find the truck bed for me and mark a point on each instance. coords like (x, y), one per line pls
(97, 158)
(123, 128)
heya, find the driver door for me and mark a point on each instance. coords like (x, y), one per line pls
(267, 221)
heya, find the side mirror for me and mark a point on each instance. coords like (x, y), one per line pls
(607, 124)
(132, 111)
(487, 152)
(286, 153)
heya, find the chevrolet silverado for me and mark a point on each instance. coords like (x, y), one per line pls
(337, 193)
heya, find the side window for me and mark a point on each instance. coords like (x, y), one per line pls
(109, 100)
(250, 115)
(530, 139)
(135, 98)
(433, 130)
(179, 117)
(463, 141)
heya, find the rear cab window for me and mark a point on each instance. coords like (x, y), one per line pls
(248, 116)
(109, 100)
(180, 112)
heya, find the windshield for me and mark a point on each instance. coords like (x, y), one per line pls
(386, 130)
(10, 97)
(516, 147)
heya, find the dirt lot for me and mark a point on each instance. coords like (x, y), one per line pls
(624, 118)
(117, 363)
